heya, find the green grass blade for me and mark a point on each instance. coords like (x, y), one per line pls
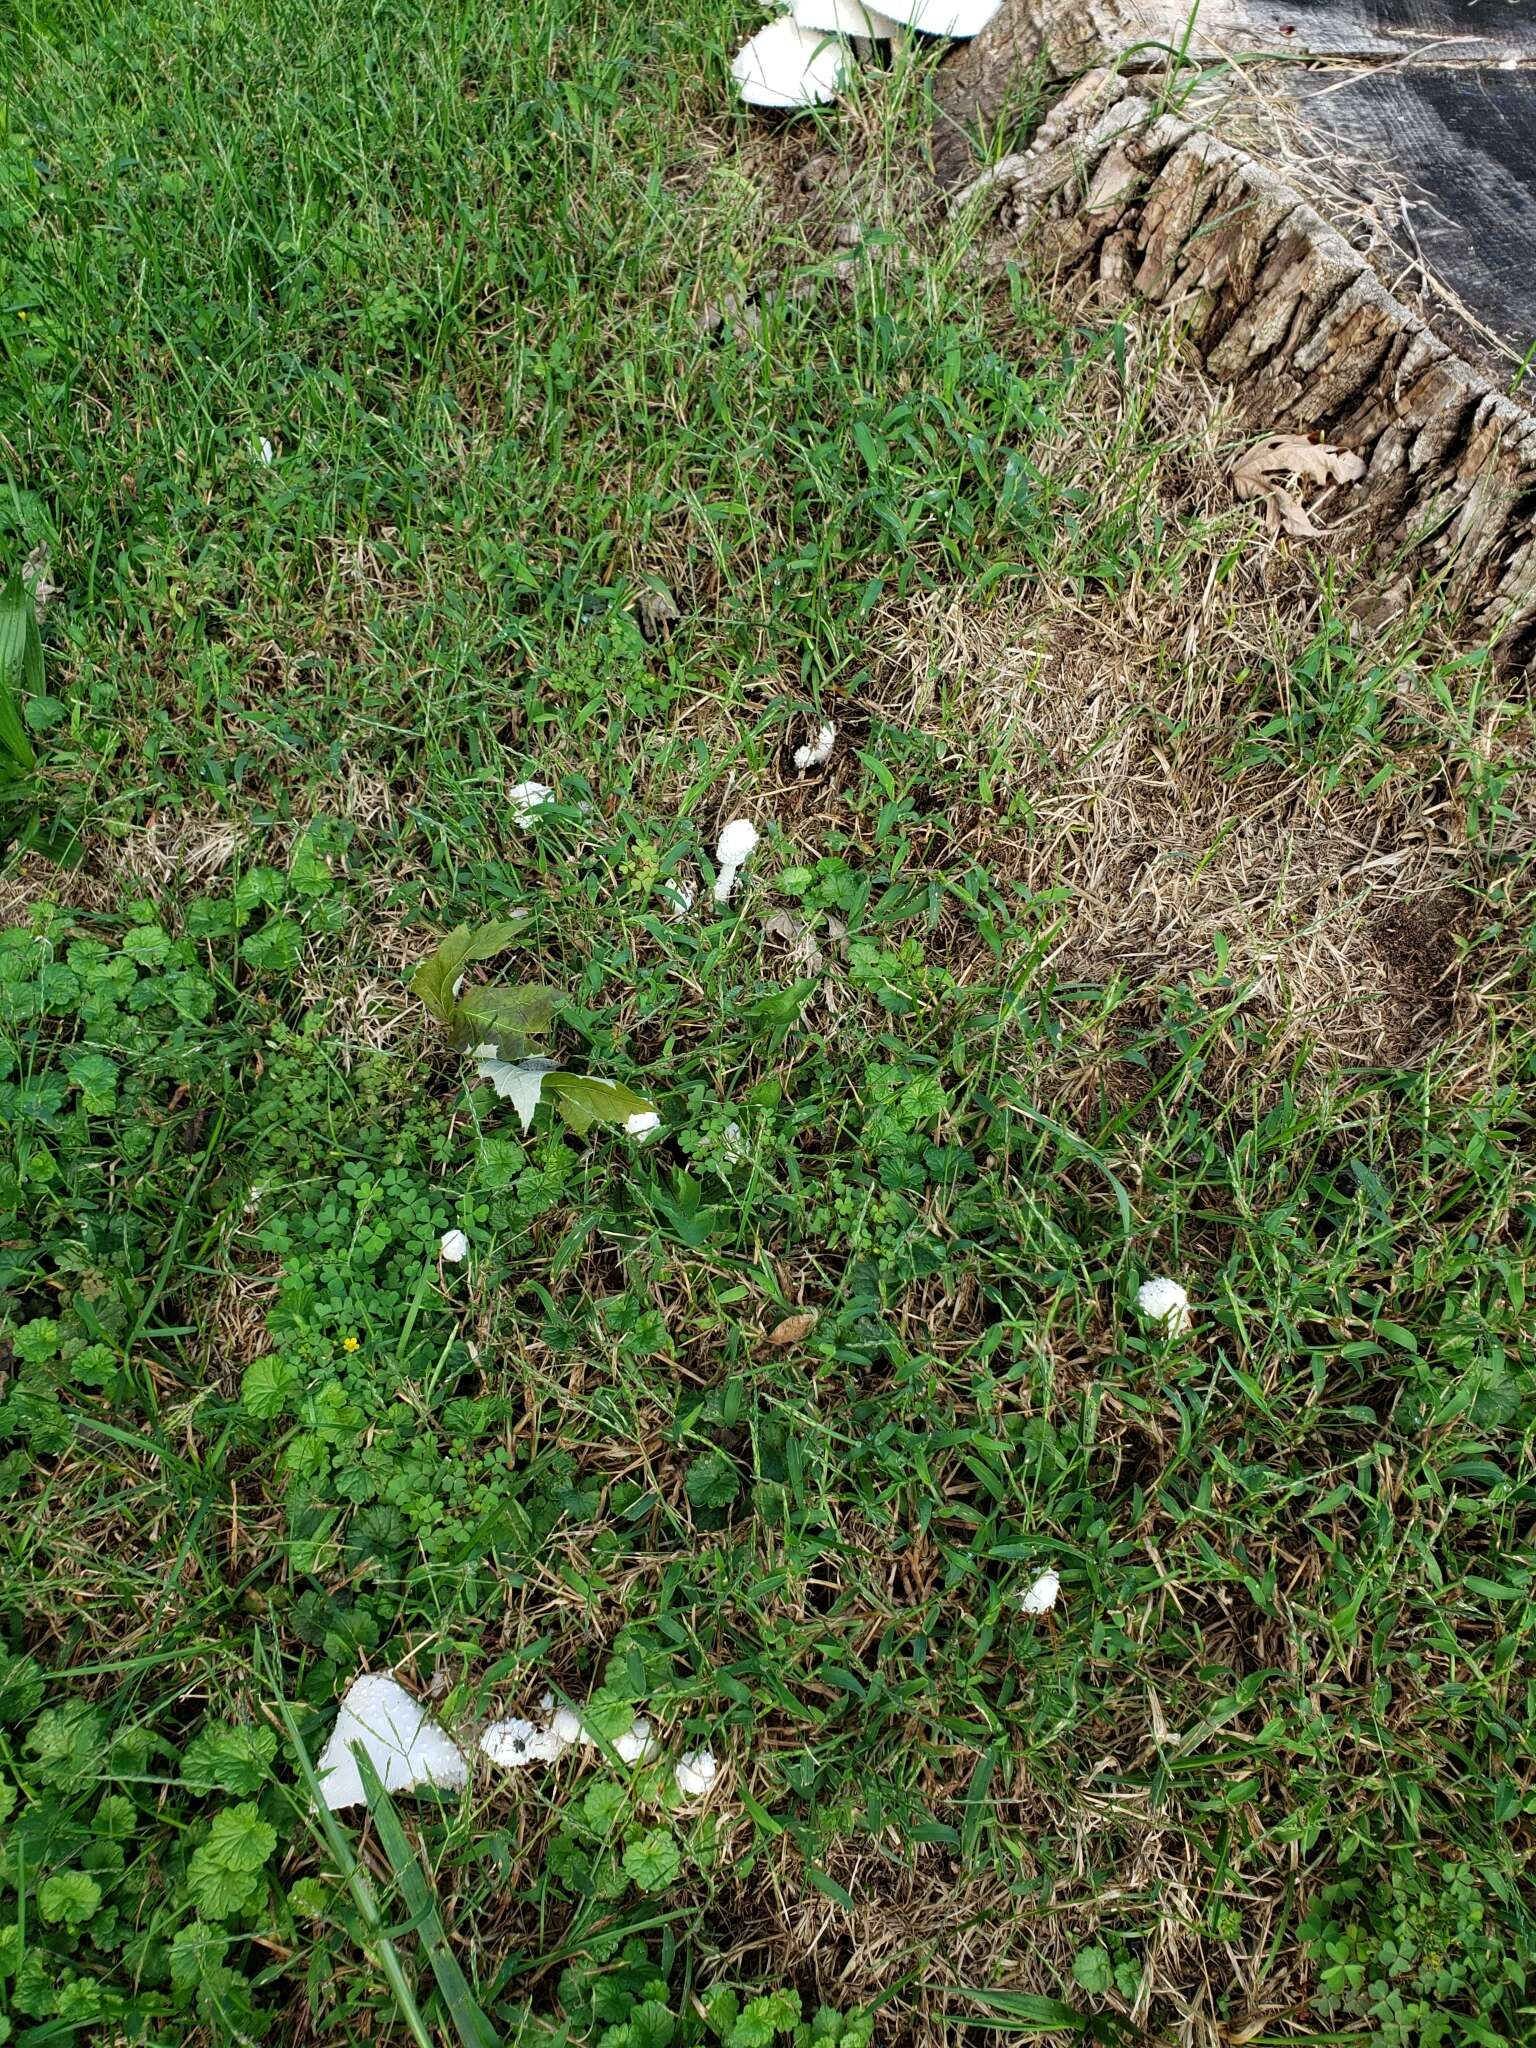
(1023, 2012)
(470, 2023)
(357, 1883)
(20, 656)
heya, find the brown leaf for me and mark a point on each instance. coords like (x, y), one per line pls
(1288, 514)
(1258, 473)
(794, 1329)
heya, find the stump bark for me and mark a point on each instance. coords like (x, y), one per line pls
(1134, 204)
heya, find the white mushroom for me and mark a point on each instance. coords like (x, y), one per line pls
(818, 751)
(695, 1772)
(785, 65)
(526, 798)
(454, 1248)
(642, 1123)
(846, 18)
(1042, 1596)
(637, 1745)
(515, 1743)
(400, 1739)
(565, 1726)
(733, 849)
(1166, 1302)
(680, 893)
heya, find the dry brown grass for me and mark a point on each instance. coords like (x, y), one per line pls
(1339, 913)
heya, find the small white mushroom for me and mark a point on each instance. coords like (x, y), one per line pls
(695, 1772)
(566, 1729)
(680, 893)
(515, 1743)
(526, 798)
(454, 1248)
(642, 1123)
(733, 849)
(637, 1745)
(1166, 1302)
(818, 751)
(1042, 1596)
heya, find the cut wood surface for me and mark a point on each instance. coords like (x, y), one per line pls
(1121, 199)
(1460, 143)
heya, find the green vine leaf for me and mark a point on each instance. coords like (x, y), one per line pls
(497, 1021)
(433, 981)
(584, 1100)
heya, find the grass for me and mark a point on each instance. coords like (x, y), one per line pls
(1151, 916)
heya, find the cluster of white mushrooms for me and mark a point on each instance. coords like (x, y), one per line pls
(806, 56)
(408, 1748)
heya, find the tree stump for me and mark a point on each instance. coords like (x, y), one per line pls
(1130, 202)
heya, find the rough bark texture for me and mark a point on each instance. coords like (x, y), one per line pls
(977, 79)
(1134, 204)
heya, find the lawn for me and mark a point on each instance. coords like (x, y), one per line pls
(378, 379)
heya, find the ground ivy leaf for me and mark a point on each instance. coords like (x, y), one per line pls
(231, 1759)
(713, 1481)
(653, 1860)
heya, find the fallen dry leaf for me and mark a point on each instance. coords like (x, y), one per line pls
(1257, 474)
(34, 573)
(792, 931)
(793, 1329)
(656, 611)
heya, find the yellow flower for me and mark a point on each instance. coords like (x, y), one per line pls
(349, 1343)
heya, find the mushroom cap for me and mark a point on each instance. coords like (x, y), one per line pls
(1041, 1597)
(695, 1772)
(736, 841)
(1161, 1298)
(845, 18)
